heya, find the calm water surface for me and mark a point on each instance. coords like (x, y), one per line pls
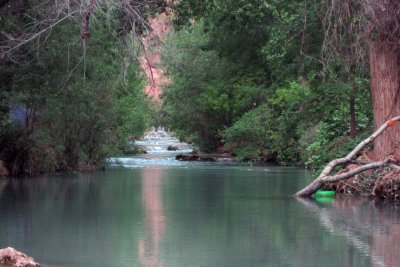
(153, 213)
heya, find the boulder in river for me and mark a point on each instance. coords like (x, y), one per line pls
(13, 258)
(187, 157)
(210, 159)
(194, 157)
(172, 148)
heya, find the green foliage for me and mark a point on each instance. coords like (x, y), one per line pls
(294, 41)
(130, 112)
(250, 73)
(324, 147)
(251, 135)
(205, 93)
(82, 101)
(275, 124)
(299, 126)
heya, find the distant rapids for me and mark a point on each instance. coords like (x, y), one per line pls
(158, 140)
(160, 148)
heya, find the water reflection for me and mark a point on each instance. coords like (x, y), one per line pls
(154, 228)
(371, 228)
(219, 216)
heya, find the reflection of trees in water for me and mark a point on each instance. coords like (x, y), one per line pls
(149, 252)
(73, 219)
(371, 228)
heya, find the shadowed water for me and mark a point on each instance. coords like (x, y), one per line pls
(203, 214)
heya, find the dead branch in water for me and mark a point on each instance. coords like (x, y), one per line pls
(325, 178)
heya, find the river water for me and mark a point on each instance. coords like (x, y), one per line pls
(153, 211)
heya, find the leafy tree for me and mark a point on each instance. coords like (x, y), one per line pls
(272, 52)
(205, 93)
(80, 100)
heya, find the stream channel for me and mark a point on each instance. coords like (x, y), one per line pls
(154, 211)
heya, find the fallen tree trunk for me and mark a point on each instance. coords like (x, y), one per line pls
(325, 178)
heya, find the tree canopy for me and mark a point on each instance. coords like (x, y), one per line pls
(253, 76)
(71, 87)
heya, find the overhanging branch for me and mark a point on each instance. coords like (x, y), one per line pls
(324, 177)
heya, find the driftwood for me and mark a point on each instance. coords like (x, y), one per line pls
(14, 258)
(325, 178)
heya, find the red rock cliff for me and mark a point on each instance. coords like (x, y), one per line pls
(151, 56)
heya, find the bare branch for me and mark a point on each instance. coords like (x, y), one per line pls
(324, 177)
(320, 182)
(34, 36)
(48, 14)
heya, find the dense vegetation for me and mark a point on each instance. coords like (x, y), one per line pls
(67, 101)
(253, 76)
(289, 81)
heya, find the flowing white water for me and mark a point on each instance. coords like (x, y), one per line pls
(156, 143)
(158, 140)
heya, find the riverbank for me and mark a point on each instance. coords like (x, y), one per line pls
(9, 257)
(381, 184)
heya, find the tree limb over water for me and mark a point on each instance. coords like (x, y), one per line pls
(324, 178)
(46, 15)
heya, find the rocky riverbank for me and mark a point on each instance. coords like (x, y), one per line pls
(9, 257)
(205, 158)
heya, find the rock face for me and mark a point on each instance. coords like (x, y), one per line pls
(14, 258)
(151, 58)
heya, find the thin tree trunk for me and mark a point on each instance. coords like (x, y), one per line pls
(352, 106)
(384, 70)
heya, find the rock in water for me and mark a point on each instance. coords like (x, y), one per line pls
(194, 157)
(172, 148)
(187, 157)
(14, 258)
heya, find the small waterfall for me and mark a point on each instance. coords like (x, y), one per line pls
(161, 148)
(159, 141)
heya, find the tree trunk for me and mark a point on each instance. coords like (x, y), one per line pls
(384, 71)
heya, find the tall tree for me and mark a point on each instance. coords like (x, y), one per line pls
(341, 47)
(371, 27)
(383, 33)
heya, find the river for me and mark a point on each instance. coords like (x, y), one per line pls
(154, 211)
